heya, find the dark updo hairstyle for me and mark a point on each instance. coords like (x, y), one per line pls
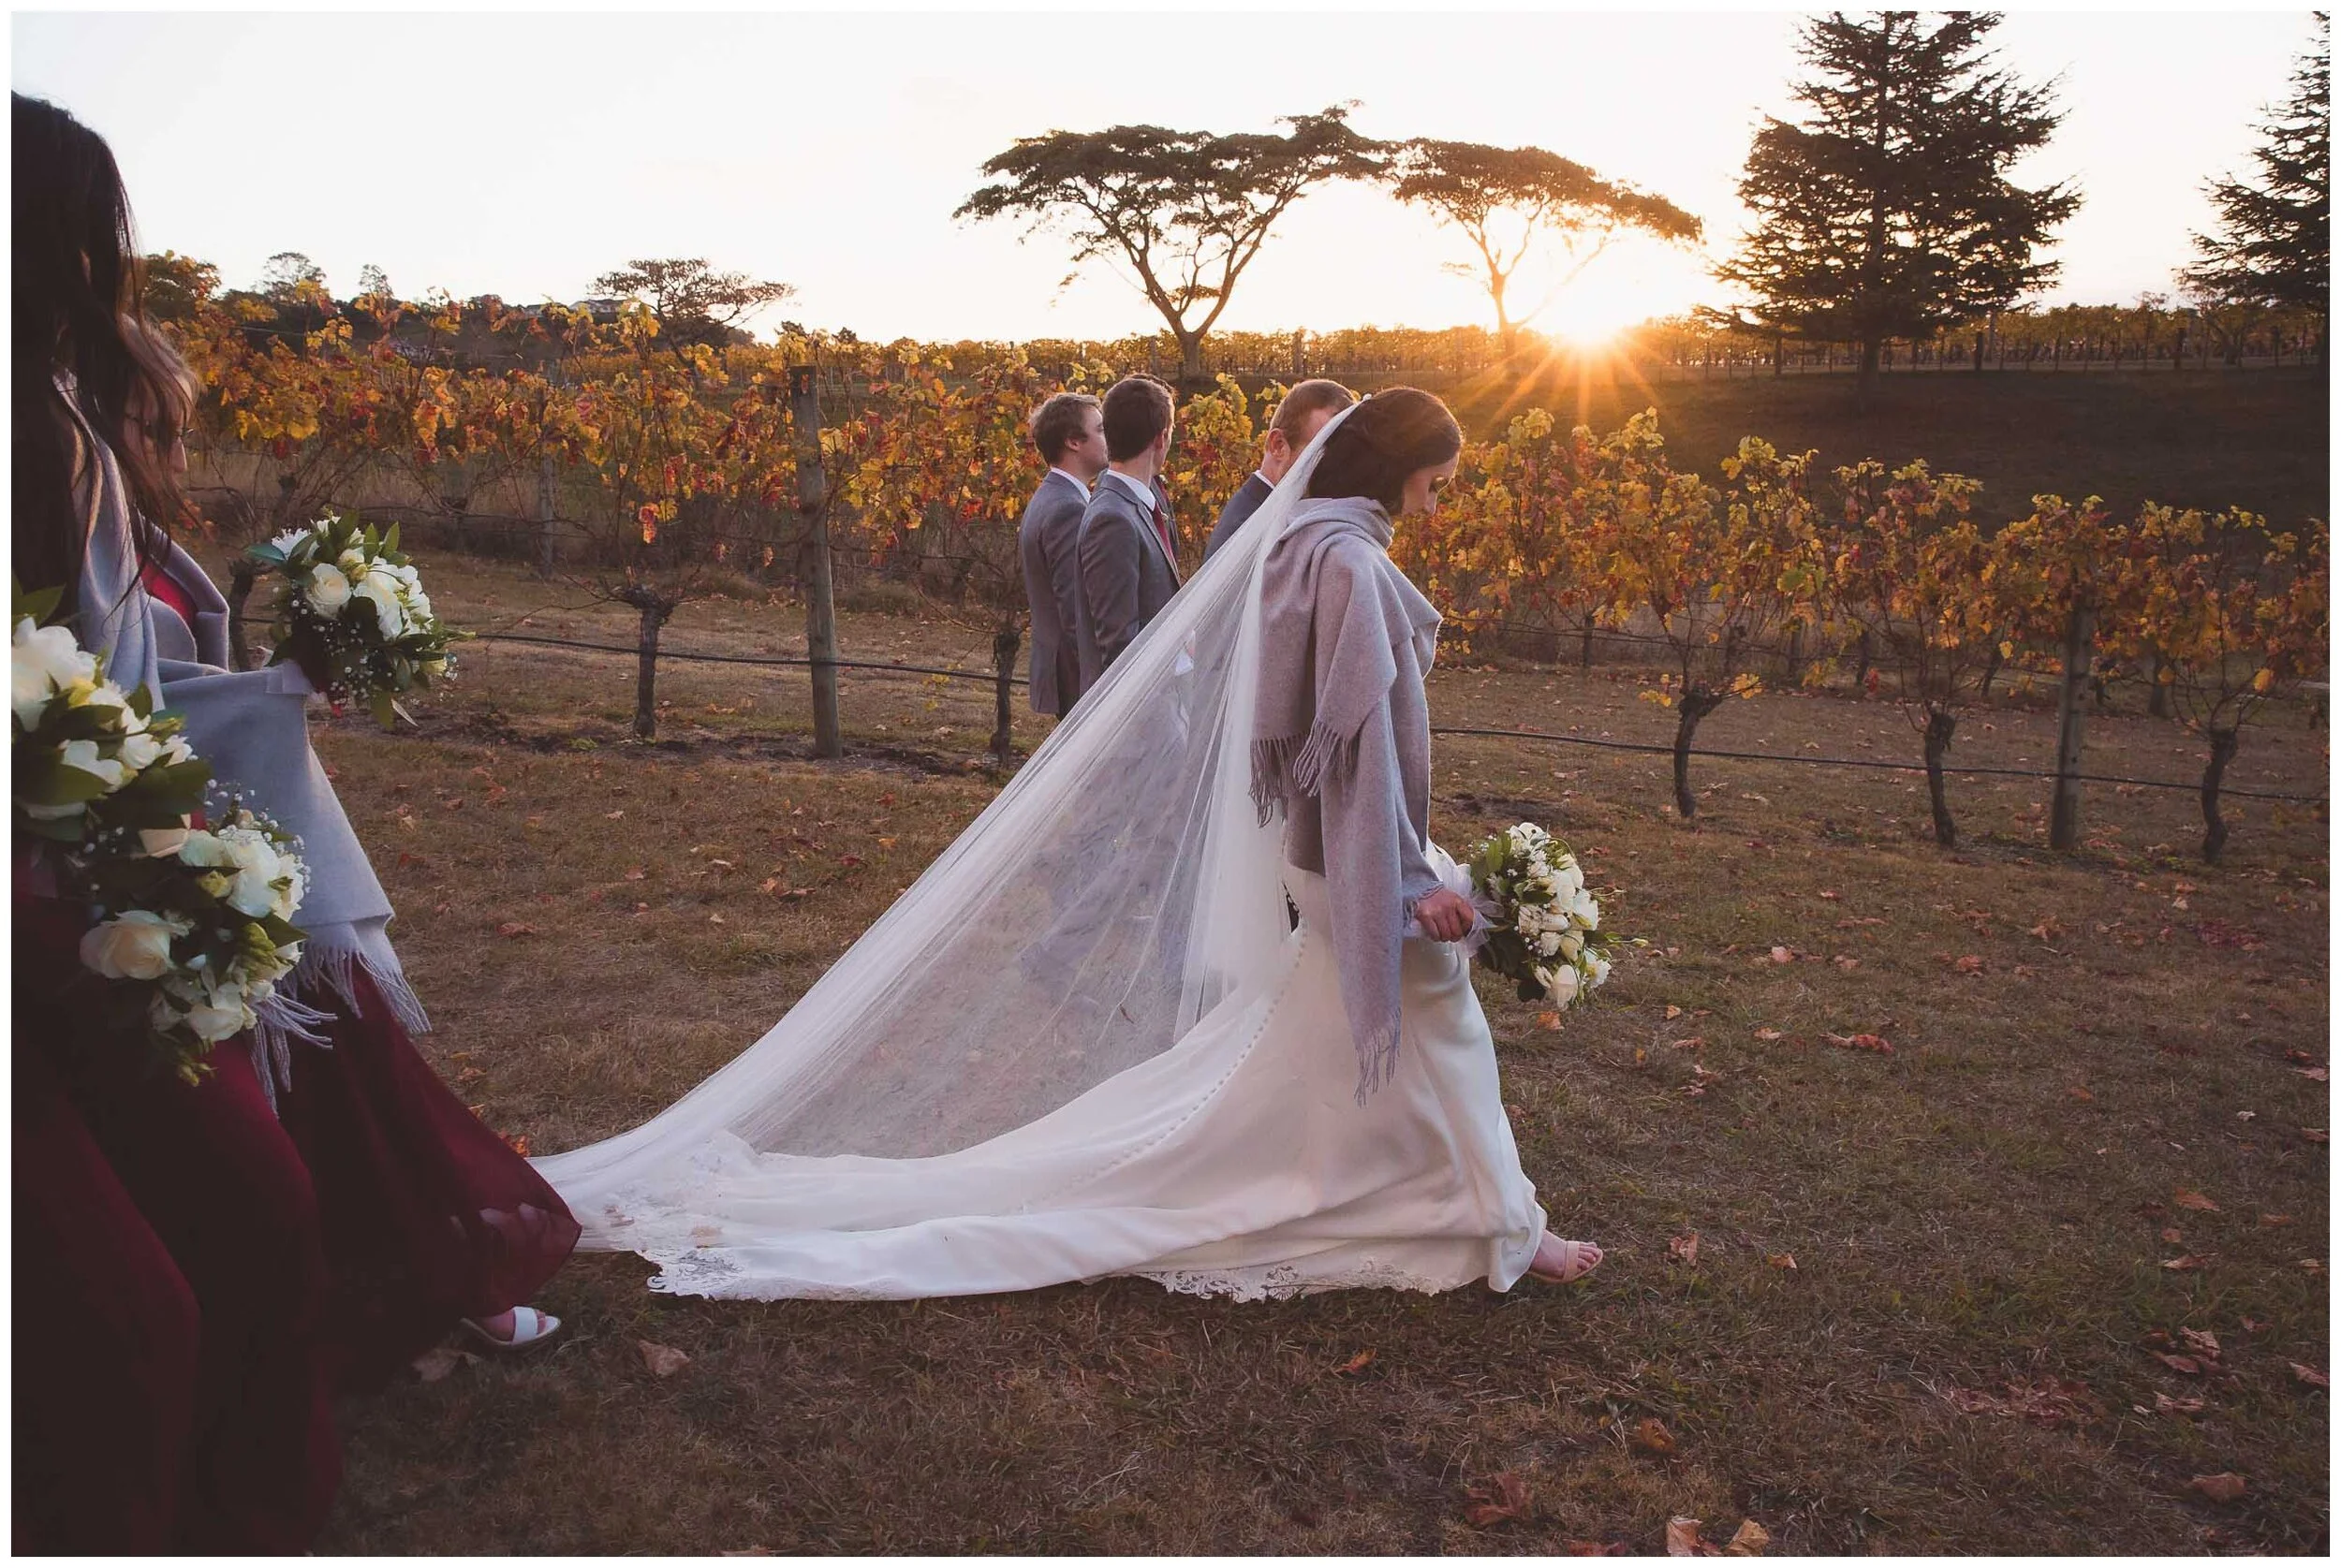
(1384, 440)
(77, 309)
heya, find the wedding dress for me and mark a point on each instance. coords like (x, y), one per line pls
(1090, 1041)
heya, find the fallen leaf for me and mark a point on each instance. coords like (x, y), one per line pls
(517, 1142)
(2201, 1341)
(434, 1365)
(1505, 1496)
(1684, 1248)
(1782, 955)
(1969, 964)
(2309, 1376)
(2077, 1093)
(1829, 894)
(2165, 1405)
(1356, 1363)
(2314, 1135)
(1749, 1540)
(2185, 1364)
(1549, 1019)
(614, 815)
(1673, 1012)
(1862, 1042)
(1847, 964)
(2315, 1073)
(1683, 1539)
(1782, 1260)
(1594, 1548)
(662, 1361)
(2171, 1235)
(1769, 1035)
(1695, 1042)
(2188, 1264)
(1651, 1436)
(516, 927)
(2276, 1219)
(2188, 1199)
(2226, 1486)
(2047, 1400)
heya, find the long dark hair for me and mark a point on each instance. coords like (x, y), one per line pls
(1393, 434)
(77, 309)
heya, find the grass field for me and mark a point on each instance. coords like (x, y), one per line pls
(2258, 439)
(1931, 1294)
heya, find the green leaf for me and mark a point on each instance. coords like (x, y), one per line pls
(384, 710)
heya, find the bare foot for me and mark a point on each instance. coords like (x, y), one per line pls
(1559, 1261)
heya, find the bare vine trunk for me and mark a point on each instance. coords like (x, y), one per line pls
(1697, 702)
(655, 607)
(1941, 722)
(242, 573)
(2223, 745)
(1006, 644)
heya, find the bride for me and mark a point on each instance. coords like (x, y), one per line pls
(1184, 1003)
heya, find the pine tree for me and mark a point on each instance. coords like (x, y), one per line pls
(1887, 212)
(2274, 245)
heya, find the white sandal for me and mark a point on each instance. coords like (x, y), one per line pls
(530, 1329)
(1573, 1264)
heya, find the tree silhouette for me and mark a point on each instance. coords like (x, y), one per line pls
(1888, 213)
(1184, 210)
(1506, 200)
(2274, 245)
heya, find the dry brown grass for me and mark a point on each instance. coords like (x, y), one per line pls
(1984, 1204)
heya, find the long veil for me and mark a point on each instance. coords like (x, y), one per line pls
(1118, 889)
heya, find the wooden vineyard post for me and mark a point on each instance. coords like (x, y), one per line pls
(2064, 809)
(821, 606)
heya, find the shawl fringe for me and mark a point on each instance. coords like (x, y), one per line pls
(284, 1017)
(1295, 766)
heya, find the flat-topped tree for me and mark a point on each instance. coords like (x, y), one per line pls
(1887, 212)
(2274, 245)
(691, 301)
(1508, 201)
(1185, 211)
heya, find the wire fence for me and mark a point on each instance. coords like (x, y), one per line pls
(992, 678)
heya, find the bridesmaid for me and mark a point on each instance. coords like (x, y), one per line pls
(171, 1393)
(431, 1219)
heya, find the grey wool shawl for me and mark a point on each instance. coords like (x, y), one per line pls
(253, 728)
(1341, 739)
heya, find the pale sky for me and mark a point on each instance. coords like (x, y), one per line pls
(522, 154)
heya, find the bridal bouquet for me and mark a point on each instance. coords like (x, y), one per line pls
(1541, 927)
(353, 615)
(193, 922)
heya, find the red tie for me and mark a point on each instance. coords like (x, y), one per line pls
(1162, 527)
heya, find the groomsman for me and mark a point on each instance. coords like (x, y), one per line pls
(1304, 412)
(1068, 432)
(1129, 557)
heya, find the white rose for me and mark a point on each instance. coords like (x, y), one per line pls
(134, 945)
(219, 1014)
(163, 844)
(1542, 976)
(140, 752)
(290, 540)
(1548, 944)
(380, 589)
(1571, 944)
(1600, 970)
(176, 751)
(1562, 988)
(265, 882)
(328, 589)
(353, 562)
(199, 848)
(44, 659)
(82, 756)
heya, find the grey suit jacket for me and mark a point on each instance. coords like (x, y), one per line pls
(1047, 539)
(1239, 510)
(1126, 576)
